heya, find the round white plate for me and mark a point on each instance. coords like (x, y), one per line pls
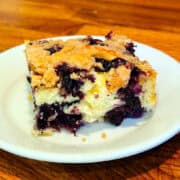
(132, 137)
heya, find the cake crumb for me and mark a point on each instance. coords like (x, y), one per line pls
(103, 135)
(47, 132)
(83, 139)
(30, 97)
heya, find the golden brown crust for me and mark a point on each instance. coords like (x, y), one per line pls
(79, 53)
(118, 77)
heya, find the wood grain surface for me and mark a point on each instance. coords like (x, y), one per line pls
(155, 22)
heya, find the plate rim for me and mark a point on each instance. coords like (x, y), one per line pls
(23, 152)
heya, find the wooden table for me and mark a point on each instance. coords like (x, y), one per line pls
(155, 22)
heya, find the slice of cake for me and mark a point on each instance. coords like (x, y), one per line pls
(81, 81)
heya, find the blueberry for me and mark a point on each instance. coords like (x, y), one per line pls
(115, 116)
(133, 104)
(107, 65)
(109, 35)
(55, 48)
(93, 41)
(71, 86)
(132, 107)
(130, 48)
(41, 124)
(70, 121)
(28, 79)
(133, 84)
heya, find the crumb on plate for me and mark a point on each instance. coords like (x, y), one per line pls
(103, 135)
(30, 97)
(83, 139)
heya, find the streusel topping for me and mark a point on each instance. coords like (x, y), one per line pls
(43, 56)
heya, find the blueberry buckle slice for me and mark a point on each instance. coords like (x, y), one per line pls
(78, 81)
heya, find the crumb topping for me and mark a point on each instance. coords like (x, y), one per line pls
(43, 57)
(50, 78)
(118, 77)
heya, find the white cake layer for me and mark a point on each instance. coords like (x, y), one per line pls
(50, 96)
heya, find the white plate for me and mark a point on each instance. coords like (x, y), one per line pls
(132, 137)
